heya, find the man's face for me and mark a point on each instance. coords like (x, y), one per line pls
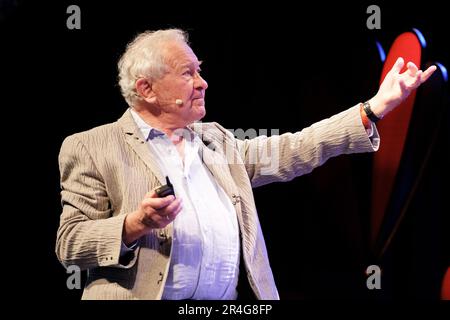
(182, 81)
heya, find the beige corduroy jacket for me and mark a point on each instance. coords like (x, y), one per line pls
(106, 171)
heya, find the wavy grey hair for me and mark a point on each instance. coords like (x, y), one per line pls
(144, 57)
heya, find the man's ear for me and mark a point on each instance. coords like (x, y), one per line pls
(144, 90)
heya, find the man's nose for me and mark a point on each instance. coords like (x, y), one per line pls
(200, 83)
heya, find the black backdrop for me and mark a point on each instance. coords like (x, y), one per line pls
(271, 66)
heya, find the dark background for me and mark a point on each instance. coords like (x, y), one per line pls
(269, 66)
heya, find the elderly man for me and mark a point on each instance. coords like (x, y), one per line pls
(196, 243)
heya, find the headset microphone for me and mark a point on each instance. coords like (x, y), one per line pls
(179, 102)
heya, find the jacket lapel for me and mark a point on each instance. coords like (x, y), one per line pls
(225, 171)
(216, 163)
(134, 138)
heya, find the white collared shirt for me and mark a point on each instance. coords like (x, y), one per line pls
(205, 250)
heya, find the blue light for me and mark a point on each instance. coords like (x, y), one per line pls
(443, 70)
(380, 51)
(421, 37)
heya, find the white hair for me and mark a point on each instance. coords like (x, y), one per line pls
(144, 57)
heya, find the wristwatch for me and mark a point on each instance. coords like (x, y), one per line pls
(369, 112)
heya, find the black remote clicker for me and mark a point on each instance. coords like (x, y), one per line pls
(164, 191)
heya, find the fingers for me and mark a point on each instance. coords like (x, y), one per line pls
(412, 69)
(427, 73)
(151, 194)
(419, 75)
(158, 203)
(403, 86)
(398, 65)
(408, 82)
(171, 208)
(168, 214)
(159, 212)
(172, 215)
(416, 80)
(413, 77)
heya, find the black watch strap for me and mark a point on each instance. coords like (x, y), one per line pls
(369, 112)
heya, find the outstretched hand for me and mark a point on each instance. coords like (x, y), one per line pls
(396, 86)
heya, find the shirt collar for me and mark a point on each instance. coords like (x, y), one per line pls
(147, 130)
(150, 133)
